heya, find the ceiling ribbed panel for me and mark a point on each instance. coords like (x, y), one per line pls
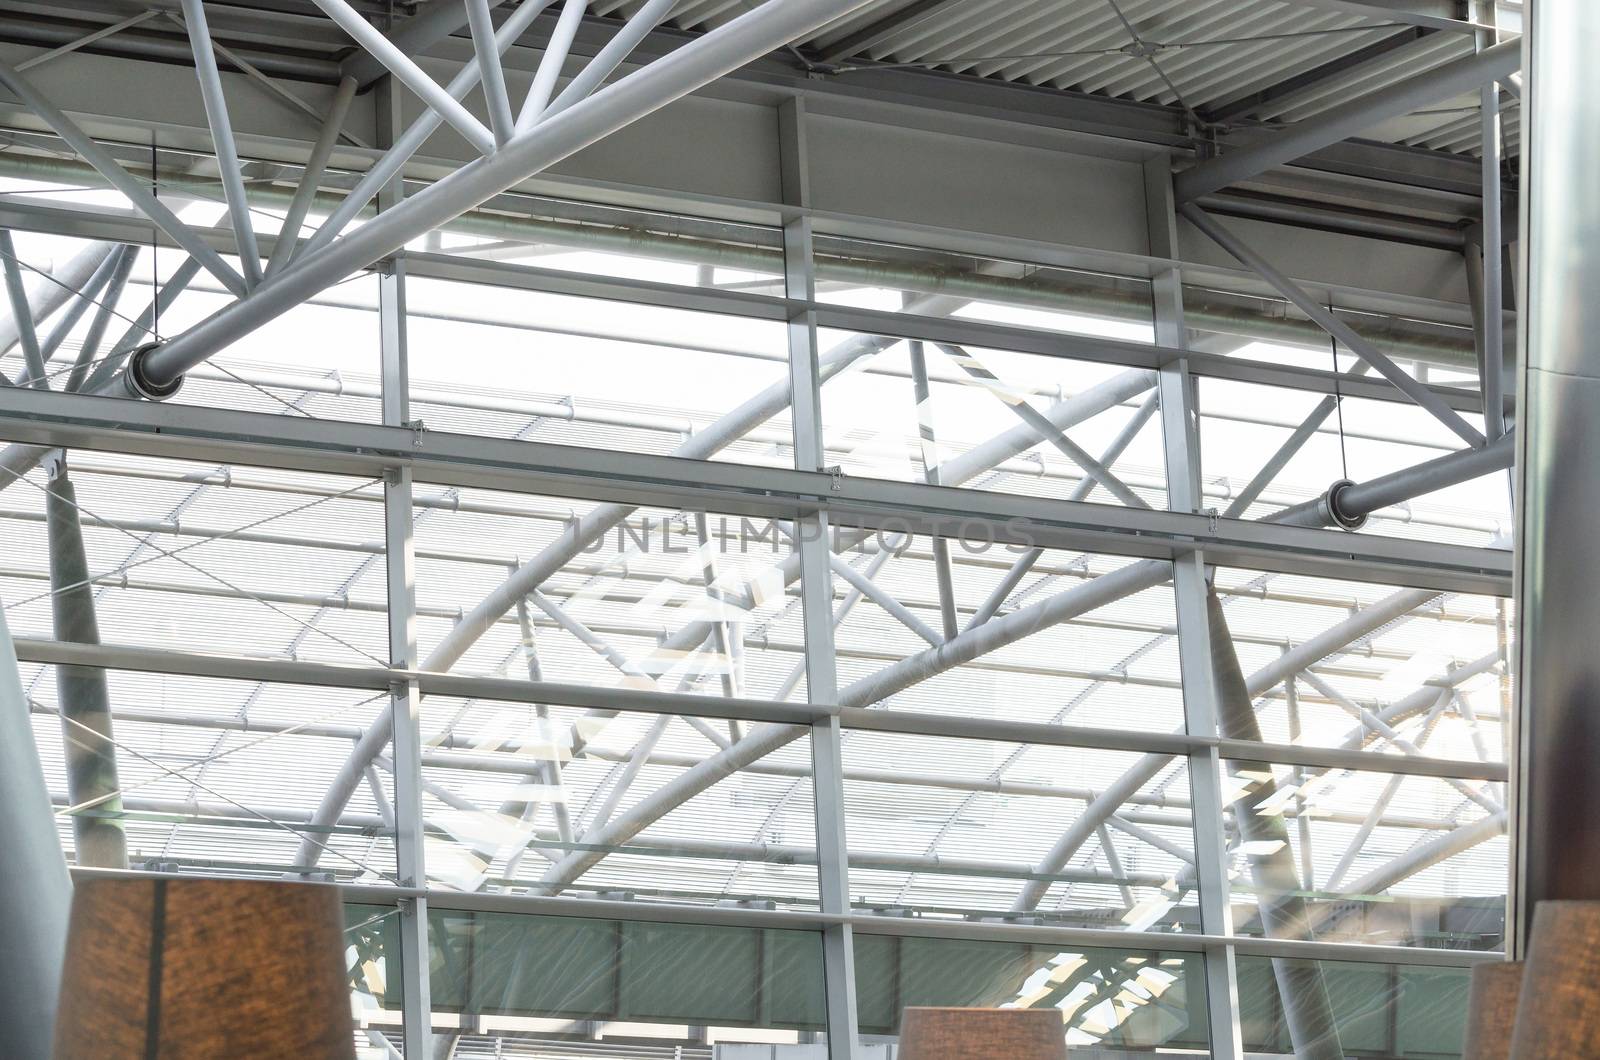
(1231, 61)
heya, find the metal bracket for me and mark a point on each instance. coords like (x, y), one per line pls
(54, 464)
(835, 473)
(416, 427)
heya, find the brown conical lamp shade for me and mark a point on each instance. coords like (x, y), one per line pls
(1492, 1010)
(185, 969)
(1558, 1013)
(982, 1034)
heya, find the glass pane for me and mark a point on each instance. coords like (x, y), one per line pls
(1435, 673)
(991, 419)
(1386, 1012)
(219, 776)
(952, 827)
(512, 363)
(372, 960)
(611, 594)
(1344, 856)
(564, 986)
(570, 801)
(1086, 661)
(916, 280)
(1112, 1002)
(197, 556)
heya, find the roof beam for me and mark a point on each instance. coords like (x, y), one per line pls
(1348, 119)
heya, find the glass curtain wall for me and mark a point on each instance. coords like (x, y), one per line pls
(627, 797)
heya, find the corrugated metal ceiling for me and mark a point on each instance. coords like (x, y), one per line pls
(1231, 61)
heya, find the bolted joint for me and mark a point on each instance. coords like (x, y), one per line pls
(138, 381)
(1337, 515)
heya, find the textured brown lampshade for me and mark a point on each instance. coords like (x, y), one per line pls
(188, 969)
(1558, 1013)
(982, 1034)
(1492, 1010)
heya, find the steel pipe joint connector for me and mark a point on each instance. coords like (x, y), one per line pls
(1338, 516)
(138, 381)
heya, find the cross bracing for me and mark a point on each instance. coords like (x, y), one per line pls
(1013, 743)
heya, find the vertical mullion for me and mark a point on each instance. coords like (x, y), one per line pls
(405, 700)
(1492, 291)
(1181, 441)
(816, 595)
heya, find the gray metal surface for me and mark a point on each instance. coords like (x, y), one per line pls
(1558, 858)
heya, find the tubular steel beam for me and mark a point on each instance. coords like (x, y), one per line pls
(407, 72)
(311, 176)
(1350, 504)
(1349, 119)
(607, 59)
(120, 179)
(21, 313)
(86, 728)
(550, 63)
(49, 293)
(436, 22)
(216, 105)
(391, 163)
(490, 73)
(1303, 991)
(670, 77)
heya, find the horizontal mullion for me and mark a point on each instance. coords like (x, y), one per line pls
(367, 450)
(953, 330)
(867, 924)
(639, 700)
(126, 227)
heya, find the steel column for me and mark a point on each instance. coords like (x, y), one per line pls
(1558, 494)
(1491, 290)
(405, 696)
(81, 692)
(1181, 446)
(816, 595)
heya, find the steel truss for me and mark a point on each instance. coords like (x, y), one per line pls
(1180, 545)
